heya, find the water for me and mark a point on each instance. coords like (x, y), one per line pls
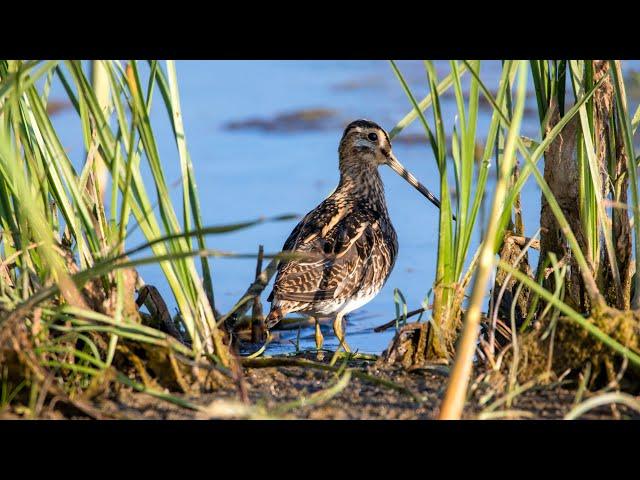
(244, 174)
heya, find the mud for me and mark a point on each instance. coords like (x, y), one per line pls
(270, 388)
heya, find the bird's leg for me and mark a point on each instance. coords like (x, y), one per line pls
(319, 337)
(339, 331)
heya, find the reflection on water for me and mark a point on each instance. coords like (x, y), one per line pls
(268, 169)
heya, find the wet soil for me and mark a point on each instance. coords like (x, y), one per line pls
(271, 388)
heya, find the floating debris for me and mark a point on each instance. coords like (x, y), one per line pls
(358, 84)
(57, 106)
(295, 121)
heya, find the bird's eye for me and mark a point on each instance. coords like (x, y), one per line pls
(373, 137)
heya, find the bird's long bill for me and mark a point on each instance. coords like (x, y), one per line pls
(397, 167)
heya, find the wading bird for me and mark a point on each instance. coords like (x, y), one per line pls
(347, 244)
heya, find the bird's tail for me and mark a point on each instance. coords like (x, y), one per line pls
(275, 315)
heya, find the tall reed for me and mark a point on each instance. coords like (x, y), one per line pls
(67, 273)
(471, 167)
(582, 237)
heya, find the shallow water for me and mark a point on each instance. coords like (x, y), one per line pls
(247, 173)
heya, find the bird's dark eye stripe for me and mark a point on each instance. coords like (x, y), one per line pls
(373, 137)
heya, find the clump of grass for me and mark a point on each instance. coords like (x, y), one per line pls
(70, 324)
(587, 235)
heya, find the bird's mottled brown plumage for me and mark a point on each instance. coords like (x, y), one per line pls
(357, 244)
(349, 239)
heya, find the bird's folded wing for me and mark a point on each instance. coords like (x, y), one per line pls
(346, 249)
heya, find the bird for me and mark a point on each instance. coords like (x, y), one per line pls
(344, 249)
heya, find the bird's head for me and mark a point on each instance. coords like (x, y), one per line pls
(365, 145)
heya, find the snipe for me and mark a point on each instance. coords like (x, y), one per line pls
(348, 242)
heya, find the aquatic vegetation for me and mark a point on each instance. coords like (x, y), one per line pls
(68, 276)
(586, 234)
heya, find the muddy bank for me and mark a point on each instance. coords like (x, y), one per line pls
(272, 388)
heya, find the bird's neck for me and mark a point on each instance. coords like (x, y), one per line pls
(362, 185)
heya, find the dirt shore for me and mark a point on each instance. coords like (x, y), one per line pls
(374, 391)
